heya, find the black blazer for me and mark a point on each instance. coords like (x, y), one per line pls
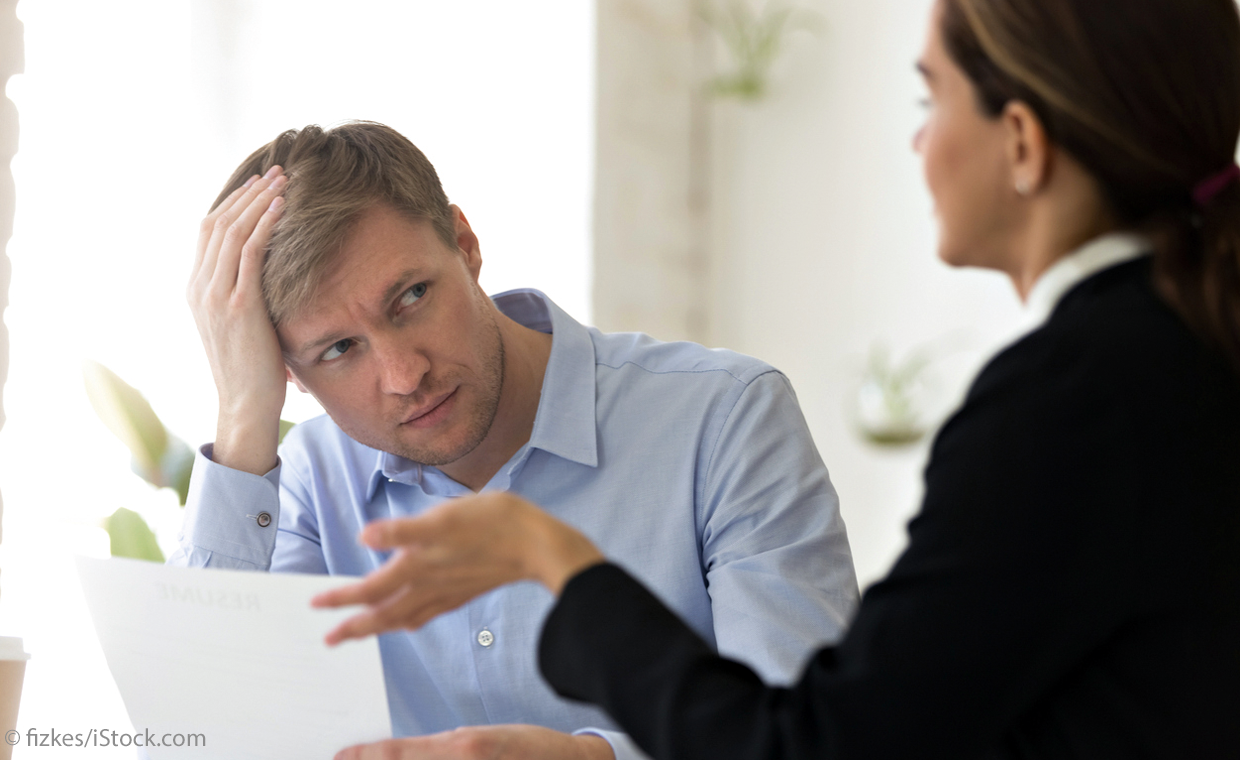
(1071, 588)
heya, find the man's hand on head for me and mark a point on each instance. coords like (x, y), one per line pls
(225, 295)
(486, 743)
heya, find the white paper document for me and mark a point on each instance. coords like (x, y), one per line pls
(236, 658)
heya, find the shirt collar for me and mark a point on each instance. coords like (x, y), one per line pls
(565, 422)
(1099, 254)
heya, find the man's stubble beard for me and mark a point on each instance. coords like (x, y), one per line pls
(480, 421)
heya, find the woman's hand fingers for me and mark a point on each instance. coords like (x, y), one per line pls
(389, 534)
(406, 609)
(391, 613)
(453, 553)
(378, 585)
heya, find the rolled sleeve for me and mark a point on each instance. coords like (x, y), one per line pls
(775, 550)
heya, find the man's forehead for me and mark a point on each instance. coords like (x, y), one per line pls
(381, 244)
(382, 220)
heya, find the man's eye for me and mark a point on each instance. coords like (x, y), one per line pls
(413, 294)
(338, 348)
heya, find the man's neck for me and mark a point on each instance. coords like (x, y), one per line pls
(526, 353)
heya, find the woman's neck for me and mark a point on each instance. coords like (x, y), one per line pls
(1062, 218)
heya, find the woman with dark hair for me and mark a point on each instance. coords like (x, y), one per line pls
(1071, 586)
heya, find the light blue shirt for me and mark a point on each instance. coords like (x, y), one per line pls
(692, 468)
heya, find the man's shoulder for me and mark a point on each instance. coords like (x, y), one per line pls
(672, 359)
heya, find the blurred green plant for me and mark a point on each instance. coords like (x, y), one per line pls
(159, 457)
(754, 41)
(891, 404)
(130, 536)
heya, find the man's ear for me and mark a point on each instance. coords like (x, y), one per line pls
(467, 241)
(1029, 149)
(293, 379)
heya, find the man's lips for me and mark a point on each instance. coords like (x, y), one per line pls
(432, 413)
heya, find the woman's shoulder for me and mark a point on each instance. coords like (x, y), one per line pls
(1113, 370)
(1114, 336)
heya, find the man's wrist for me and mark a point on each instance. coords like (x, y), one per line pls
(248, 445)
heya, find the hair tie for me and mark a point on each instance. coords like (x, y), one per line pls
(1209, 188)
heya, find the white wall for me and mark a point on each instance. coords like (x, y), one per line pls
(825, 244)
(821, 238)
(651, 222)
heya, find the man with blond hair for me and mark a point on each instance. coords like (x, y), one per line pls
(334, 261)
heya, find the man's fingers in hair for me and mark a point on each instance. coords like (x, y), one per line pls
(208, 222)
(250, 270)
(237, 232)
(230, 201)
(218, 223)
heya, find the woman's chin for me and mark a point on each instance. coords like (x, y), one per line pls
(953, 257)
(975, 255)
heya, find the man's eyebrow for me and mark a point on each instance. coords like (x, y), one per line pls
(398, 285)
(310, 345)
(402, 281)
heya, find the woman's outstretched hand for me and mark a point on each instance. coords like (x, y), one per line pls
(453, 553)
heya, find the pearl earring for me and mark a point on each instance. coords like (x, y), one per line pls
(1023, 187)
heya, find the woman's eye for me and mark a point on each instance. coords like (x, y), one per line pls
(337, 350)
(413, 294)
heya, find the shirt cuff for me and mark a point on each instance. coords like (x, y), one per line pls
(230, 512)
(621, 745)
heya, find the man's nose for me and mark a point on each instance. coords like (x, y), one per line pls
(401, 368)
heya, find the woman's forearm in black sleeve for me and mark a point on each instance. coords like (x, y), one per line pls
(658, 676)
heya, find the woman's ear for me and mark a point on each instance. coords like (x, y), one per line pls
(1028, 148)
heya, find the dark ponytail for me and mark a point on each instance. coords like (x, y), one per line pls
(1145, 94)
(1198, 270)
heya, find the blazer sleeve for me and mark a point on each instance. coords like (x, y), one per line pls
(1024, 559)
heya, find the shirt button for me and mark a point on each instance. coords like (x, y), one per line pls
(486, 638)
(264, 519)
